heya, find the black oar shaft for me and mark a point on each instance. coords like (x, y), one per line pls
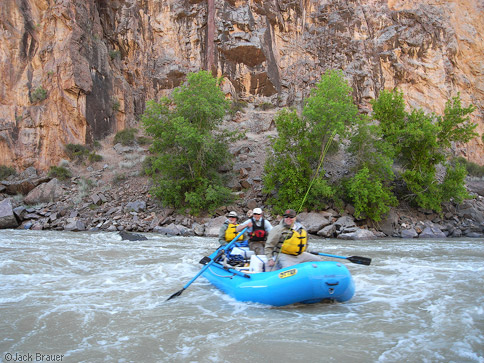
(355, 259)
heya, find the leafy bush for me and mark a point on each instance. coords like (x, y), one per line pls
(265, 106)
(93, 157)
(76, 152)
(60, 173)
(126, 137)
(188, 146)
(237, 106)
(116, 104)
(6, 171)
(473, 169)
(114, 54)
(420, 141)
(119, 178)
(143, 140)
(39, 94)
(370, 197)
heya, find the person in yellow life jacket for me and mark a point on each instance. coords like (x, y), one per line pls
(287, 243)
(228, 230)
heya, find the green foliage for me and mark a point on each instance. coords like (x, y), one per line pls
(294, 167)
(93, 157)
(39, 94)
(188, 146)
(76, 152)
(370, 188)
(143, 140)
(115, 54)
(455, 125)
(126, 137)
(116, 104)
(236, 106)
(79, 153)
(265, 106)
(420, 142)
(329, 110)
(60, 173)
(423, 188)
(369, 195)
(473, 169)
(6, 171)
(119, 178)
(453, 186)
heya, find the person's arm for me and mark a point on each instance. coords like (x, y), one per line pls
(267, 225)
(247, 223)
(221, 234)
(271, 243)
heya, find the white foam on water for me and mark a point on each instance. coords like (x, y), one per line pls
(94, 297)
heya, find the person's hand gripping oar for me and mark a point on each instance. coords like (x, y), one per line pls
(220, 252)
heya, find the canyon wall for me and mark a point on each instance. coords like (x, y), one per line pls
(75, 71)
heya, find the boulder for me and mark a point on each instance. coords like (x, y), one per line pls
(7, 216)
(314, 222)
(432, 232)
(327, 231)
(75, 225)
(132, 236)
(388, 224)
(23, 186)
(45, 193)
(174, 230)
(360, 234)
(135, 206)
(409, 233)
(212, 227)
(345, 222)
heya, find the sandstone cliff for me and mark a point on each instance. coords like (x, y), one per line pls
(75, 71)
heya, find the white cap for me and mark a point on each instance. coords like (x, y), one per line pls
(232, 214)
(257, 211)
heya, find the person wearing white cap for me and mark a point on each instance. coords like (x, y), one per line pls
(258, 230)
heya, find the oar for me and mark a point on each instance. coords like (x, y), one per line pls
(220, 252)
(355, 259)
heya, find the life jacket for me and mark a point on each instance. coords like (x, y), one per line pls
(258, 232)
(231, 233)
(296, 243)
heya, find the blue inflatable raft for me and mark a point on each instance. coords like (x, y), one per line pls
(309, 282)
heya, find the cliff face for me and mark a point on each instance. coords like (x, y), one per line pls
(74, 71)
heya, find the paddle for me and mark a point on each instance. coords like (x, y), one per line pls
(355, 259)
(220, 252)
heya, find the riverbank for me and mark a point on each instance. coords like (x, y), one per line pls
(113, 195)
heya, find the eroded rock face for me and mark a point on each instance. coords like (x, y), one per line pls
(74, 71)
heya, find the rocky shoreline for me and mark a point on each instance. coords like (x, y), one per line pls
(42, 203)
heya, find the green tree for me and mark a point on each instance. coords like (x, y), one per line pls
(293, 173)
(370, 189)
(188, 146)
(369, 194)
(420, 142)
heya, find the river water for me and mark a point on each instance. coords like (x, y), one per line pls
(91, 297)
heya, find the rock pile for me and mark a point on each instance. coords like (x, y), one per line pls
(128, 206)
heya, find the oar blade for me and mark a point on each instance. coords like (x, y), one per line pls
(359, 260)
(178, 293)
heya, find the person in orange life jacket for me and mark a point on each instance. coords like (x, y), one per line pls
(228, 230)
(258, 230)
(287, 242)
